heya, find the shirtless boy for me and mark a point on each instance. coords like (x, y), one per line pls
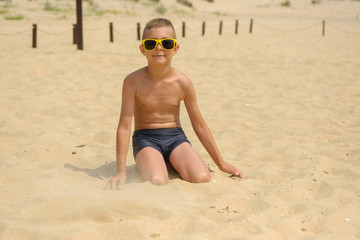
(152, 95)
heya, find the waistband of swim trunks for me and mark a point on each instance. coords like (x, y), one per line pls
(159, 130)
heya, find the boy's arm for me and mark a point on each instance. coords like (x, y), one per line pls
(123, 132)
(203, 132)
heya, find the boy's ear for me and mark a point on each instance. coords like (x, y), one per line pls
(176, 49)
(142, 50)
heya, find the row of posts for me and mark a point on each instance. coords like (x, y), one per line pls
(111, 31)
(204, 27)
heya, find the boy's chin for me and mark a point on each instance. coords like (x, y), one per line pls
(159, 59)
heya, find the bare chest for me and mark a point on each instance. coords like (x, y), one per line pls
(162, 98)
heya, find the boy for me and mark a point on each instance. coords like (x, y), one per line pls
(152, 95)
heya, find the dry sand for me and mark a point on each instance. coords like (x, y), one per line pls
(284, 106)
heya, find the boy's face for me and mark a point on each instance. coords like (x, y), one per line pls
(159, 55)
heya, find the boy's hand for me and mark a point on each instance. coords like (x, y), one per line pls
(116, 182)
(228, 168)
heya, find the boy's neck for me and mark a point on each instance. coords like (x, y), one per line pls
(158, 72)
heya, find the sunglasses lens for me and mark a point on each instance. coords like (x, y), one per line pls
(168, 44)
(149, 44)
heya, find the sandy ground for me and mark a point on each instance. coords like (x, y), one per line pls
(283, 105)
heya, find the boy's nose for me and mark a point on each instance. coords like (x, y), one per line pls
(158, 47)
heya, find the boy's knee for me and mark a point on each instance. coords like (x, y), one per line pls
(202, 177)
(158, 180)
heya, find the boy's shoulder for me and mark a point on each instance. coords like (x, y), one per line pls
(136, 74)
(184, 80)
(133, 78)
(180, 76)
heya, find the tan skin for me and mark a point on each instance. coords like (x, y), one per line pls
(153, 95)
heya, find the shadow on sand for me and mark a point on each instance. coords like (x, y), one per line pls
(108, 170)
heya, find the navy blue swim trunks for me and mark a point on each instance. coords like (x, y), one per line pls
(165, 140)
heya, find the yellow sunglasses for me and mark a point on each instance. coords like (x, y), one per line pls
(166, 44)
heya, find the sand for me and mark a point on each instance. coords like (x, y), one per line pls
(283, 106)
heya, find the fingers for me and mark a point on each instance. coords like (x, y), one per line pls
(238, 173)
(113, 184)
(108, 186)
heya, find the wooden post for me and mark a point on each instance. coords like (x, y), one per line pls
(111, 32)
(203, 29)
(79, 25)
(220, 27)
(183, 29)
(236, 26)
(323, 28)
(251, 25)
(34, 40)
(138, 31)
(74, 33)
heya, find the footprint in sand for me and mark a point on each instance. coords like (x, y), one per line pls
(154, 235)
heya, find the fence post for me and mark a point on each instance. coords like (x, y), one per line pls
(34, 39)
(74, 33)
(220, 27)
(183, 29)
(203, 28)
(111, 32)
(79, 25)
(323, 28)
(251, 25)
(236, 26)
(138, 31)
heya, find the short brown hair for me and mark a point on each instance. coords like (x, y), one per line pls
(156, 23)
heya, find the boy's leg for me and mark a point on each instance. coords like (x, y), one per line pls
(151, 166)
(189, 164)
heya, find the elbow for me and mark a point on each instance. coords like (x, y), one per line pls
(200, 129)
(123, 130)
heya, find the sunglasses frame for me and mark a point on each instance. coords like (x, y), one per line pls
(157, 43)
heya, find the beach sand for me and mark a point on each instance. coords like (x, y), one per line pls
(283, 106)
